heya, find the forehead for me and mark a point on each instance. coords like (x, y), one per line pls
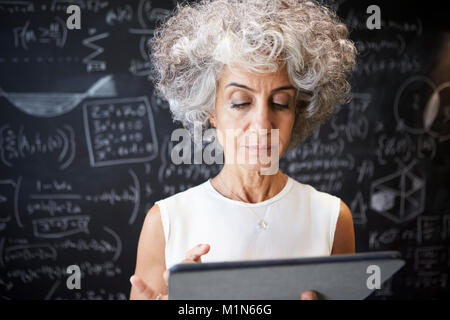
(238, 74)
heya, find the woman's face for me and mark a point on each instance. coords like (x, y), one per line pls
(252, 109)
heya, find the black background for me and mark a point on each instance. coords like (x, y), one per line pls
(57, 172)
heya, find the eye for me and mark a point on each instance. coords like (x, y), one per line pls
(281, 106)
(239, 105)
(281, 101)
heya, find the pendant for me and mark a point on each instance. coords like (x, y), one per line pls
(262, 225)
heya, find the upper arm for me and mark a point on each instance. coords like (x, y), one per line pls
(150, 261)
(344, 235)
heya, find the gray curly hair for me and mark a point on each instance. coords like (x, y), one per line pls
(190, 48)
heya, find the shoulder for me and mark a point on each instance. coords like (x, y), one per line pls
(317, 197)
(151, 240)
(153, 222)
(344, 236)
(345, 215)
(325, 204)
(173, 205)
(333, 211)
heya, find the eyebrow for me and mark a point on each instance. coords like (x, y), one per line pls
(234, 84)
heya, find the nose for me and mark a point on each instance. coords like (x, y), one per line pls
(259, 130)
(261, 122)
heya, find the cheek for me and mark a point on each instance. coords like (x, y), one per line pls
(223, 116)
(228, 132)
(285, 133)
(285, 124)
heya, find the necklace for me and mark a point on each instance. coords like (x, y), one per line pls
(262, 224)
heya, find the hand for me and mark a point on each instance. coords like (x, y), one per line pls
(309, 295)
(192, 256)
(145, 289)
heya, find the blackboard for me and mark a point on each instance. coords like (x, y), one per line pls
(85, 145)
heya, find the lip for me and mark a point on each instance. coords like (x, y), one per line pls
(258, 150)
(257, 147)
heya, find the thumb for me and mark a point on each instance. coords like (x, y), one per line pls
(194, 255)
(309, 295)
(204, 248)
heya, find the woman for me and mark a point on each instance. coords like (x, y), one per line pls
(263, 69)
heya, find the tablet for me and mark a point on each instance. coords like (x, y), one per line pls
(341, 277)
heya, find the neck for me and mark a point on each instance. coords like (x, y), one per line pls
(249, 186)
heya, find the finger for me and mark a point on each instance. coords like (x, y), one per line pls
(192, 256)
(142, 287)
(191, 260)
(309, 295)
(195, 253)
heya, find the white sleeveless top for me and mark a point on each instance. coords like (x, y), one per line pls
(301, 222)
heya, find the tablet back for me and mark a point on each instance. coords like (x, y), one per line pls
(334, 277)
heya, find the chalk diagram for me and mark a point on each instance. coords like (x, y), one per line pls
(422, 107)
(120, 131)
(7, 196)
(169, 173)
(20, 144)
(26, 49)
(147, 16)
(359, 208)
(56, 209)
(51, 104)
(399, 196)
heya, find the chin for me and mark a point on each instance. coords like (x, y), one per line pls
(254, 164)
(262, 169)
(250, 160)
